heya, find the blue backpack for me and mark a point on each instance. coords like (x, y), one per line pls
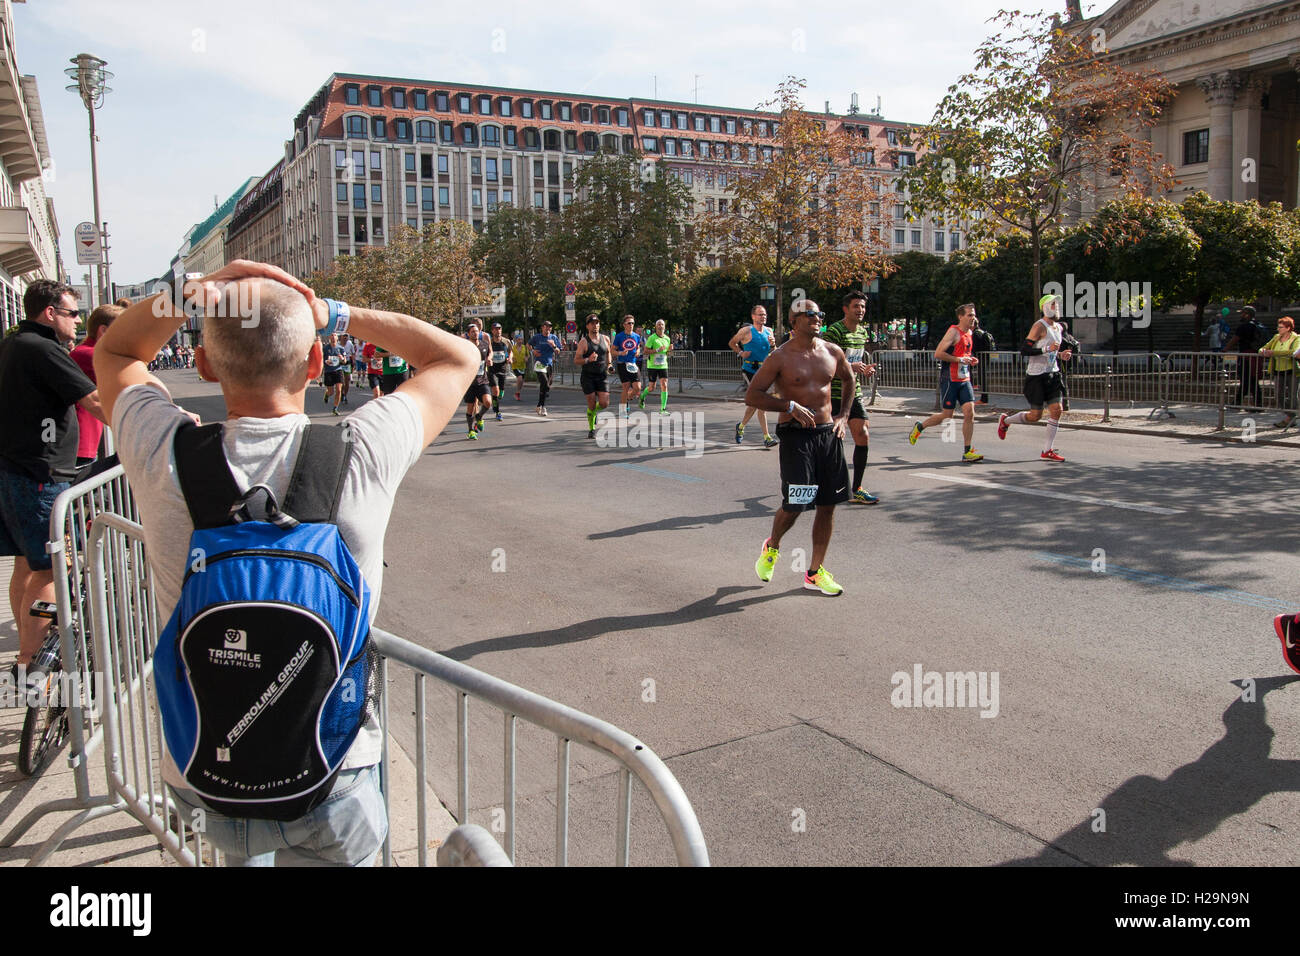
(265, 672)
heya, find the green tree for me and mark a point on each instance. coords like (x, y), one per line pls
(1033, 127)
(801, 208)
(910, 293)
(518, 247)
(627, 224)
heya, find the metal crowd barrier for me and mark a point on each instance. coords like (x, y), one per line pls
(125, 625)
(568, 725)
(1237, 381)
(681, 365)
(70, 521)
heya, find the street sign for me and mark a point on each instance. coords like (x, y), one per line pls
(570, 290)
(570, 301)
(570, 328)
(89, 250)
(480, 311)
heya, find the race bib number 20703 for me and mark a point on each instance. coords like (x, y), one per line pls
(801, 494)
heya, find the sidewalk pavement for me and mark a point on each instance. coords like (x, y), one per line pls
(117, 839)
(1181, 421)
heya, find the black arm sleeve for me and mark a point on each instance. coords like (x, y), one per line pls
(1029, 348)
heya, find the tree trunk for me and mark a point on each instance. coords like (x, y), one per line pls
(1201, 302)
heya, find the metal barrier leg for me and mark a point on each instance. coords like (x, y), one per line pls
(562, 803)
(105, 806)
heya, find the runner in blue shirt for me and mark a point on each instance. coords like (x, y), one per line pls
(753, 343)
(627, 349)
(544, 345)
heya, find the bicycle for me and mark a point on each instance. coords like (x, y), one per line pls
(45, 728)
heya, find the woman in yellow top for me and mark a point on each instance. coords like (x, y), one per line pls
(1281, 351)
(519, 362)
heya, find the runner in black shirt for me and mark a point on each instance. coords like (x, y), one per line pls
(593, 358)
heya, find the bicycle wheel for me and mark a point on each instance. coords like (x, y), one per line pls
(44, 731)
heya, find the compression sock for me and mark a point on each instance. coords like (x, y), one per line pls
(1052, 425)
(663, 401)
(469, 421)
(859, 464)
(591, 418)
(1017, 419)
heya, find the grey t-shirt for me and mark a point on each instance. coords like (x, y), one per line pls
(388, 433)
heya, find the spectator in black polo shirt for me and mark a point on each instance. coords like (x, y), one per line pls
(40, 387)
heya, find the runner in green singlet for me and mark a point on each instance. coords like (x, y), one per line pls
(850, 334)
(657, 347)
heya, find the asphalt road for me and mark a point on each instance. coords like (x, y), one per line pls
(1121, 731)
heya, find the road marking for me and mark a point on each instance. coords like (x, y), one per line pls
(1174, 584)
(657, 472)
(1064, 496)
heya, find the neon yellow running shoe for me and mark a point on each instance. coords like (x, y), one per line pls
(766, 563)
(972, 455)
(916, 433)
(822, 581)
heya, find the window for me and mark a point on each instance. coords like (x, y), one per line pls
(358, 162)
(424, 131)
(343, 225)
(377, 127)
(916, 237)
(526, 109)
(906, 159)
(589, 143)
(504, 108)
(602, 115)
(462, 102)
(491, 169)
(955, 243)
(341, 192)
(410, 195)
(670, 147)
(875, 209)
(377, 227)
(546, 110)
(1196, 146)
(681, 120)
(398, 99)
(753, 154)
(444, 195)
(508, 197)
(731, 126)
(551, 139)
(568, 171)
(376, 194)
(650, 144)
(445, 132)
(360, 233)
(900, 237)
(704, 150)
(722, 205)
(468, 134)
(891, 137)
(402, 129)
(688, 177)
(620, 116)
(340, 158)
(351, 96)
(538, 169)
(649, 118)
(508, 168)
(475, 166)
(426, 166)
(426, 198)
(421, 99)
(767, 154)
(356, 127)
(570, 141)
(539, 200)
(413, 222)
(531, 140)
(491, 199)
(476, 198)
(666, 119)
(552, 173)
(441, 102)
(510, 136)
(568, 198)
(735, 151)
(566, 112)
(699, 124)
(358, 195)
(688, 148)
(938, 242)
(553, 202)
(485, 105)
(715, 124)
(762, 127)
(442, 163)
(374, 96)
(584, 113)
(376, 159)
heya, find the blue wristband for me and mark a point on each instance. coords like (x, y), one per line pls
(339, 318)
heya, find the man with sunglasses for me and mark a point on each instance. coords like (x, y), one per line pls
(814, 473)
(40, 388)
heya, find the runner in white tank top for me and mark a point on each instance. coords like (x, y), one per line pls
(1043, 385)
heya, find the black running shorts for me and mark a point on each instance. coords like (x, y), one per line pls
(476, 391)
(813, 469)
(375, 379)
(1045, 389)
(591, 384)
(628, 377)
(654, 374)
(855, 410)
(333, 376)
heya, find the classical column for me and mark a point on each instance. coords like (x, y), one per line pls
(1246, 119)
(1220, 92)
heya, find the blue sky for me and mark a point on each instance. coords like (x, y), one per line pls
(205, 92)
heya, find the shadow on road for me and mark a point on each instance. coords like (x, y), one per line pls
(703, 609)
(1146, 817)
(752, 509)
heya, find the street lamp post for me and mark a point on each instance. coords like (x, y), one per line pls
(91, 85)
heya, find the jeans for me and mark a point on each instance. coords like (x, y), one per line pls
(347, 829)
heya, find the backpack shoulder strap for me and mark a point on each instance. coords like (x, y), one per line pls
(318, 475)
(209, 488)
